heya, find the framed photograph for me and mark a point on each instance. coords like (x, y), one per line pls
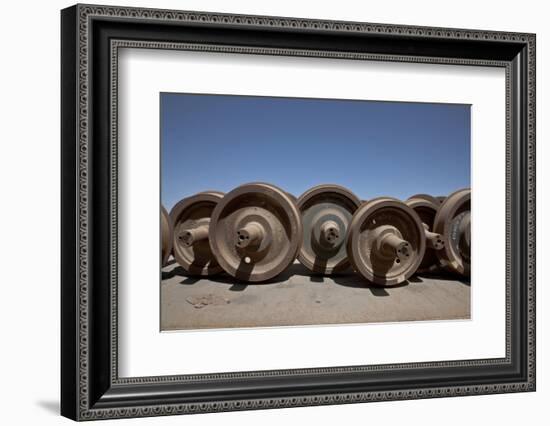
(263, 212)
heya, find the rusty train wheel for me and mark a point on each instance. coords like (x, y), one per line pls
(326, 215)
(427, 210)
(191, 221)
(386, 241)
(255, 232)
(166, 235)
(453, 222)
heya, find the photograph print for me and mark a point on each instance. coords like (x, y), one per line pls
(280, 211)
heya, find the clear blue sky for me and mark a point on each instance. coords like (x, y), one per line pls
(373, 148)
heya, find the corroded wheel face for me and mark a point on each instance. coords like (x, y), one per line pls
(386, 241)
(255, 232)
(427, 210)
(191, 222)
(453, 222)
(326, 215)
(166, 235)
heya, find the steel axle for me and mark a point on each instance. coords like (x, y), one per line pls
(251, 235)
(190, 236)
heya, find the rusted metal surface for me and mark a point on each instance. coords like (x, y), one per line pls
(426, 208)
(453, 222)
(386, 241)
(191, 221)
(326, 214)
(166, 235)
(255, 232)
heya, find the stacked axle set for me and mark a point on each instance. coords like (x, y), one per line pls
(257, 230)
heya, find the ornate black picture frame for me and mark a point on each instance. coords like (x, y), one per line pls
(90, 38)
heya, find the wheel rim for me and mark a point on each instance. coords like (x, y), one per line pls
(426, 197)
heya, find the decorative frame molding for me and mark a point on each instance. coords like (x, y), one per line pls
(91, 37)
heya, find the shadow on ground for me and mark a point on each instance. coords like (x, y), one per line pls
(346, 279)
(294, 270)
(50, 406)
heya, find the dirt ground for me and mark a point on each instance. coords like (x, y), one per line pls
(298, 298)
